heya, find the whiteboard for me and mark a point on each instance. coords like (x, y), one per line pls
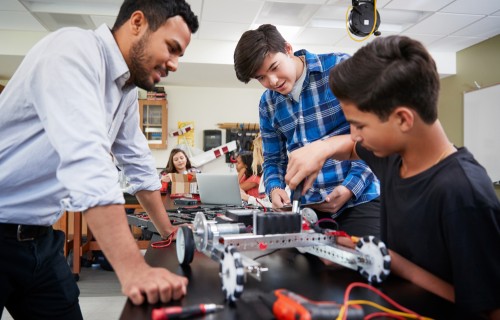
(482, 128)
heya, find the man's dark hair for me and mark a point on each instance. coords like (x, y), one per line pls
(386, 73)
(157, 12)
(252, 49)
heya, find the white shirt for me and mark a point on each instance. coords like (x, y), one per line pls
(61, 116)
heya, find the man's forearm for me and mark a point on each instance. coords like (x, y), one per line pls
(152, 203)
(110, 228)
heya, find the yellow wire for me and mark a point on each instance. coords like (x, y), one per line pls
(374, 22)
(380, 307)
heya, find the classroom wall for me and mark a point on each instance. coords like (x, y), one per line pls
(480, 64)
(206, 107)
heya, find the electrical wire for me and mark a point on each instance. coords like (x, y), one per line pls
(266, 254)
(403, 313)
(328, 220)
(260, 203)
(164, 242)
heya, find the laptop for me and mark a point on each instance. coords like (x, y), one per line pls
(219, 188)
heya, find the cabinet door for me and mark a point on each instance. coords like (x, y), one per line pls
(153, 121)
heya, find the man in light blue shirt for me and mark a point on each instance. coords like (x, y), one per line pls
(70, 106)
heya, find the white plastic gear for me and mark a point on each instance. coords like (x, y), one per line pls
(232, 274)
(379, 268)
(309, 214)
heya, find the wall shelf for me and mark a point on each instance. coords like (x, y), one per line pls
(153, 121)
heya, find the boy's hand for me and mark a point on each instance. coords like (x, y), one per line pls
(335, 200)
(279, 198)
(305, 164)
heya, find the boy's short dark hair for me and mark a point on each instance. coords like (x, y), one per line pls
(252, 49)
(157, 12)
(386, 73)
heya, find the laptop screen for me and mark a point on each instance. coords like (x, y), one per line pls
(219, 188)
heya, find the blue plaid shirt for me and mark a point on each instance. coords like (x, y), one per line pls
(287, 125)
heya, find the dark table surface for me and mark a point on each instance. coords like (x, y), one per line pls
(303, 274)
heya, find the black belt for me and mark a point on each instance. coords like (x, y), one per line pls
(23, 232)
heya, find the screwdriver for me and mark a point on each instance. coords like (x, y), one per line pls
(184, 312)
(297, 194)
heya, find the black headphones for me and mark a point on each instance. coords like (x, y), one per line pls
(361, 18)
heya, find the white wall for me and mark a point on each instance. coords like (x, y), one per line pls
(206, 107)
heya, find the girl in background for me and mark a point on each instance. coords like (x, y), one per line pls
(177, 163)
(258, 159)
(249, 182)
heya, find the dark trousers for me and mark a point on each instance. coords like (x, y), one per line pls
(35, 280)
(361, 220)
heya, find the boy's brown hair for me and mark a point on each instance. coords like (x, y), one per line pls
(253, 47)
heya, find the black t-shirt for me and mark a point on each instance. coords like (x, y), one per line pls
(446, 220)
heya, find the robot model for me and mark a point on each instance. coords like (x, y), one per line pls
(226, 242)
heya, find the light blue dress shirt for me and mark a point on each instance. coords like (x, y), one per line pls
(62, 115)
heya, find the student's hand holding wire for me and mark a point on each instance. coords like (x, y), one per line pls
(335, 200)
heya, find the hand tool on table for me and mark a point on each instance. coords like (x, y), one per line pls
(287, 305)
(179, 312)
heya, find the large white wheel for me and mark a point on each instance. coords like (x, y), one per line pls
(232, 274)
(184, 245)
(200, 228)
(380, 267)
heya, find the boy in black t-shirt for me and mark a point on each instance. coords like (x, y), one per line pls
(439, 212)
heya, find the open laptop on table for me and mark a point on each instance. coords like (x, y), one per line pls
(219, 188)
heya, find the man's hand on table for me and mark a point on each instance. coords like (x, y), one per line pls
(153, 285)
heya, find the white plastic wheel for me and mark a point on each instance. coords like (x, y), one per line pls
(380, 267)
(200, 230)
(232, 274)
(184, 246)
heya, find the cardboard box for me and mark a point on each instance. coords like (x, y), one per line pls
(184, 183)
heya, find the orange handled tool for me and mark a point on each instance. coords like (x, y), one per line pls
(287, 305)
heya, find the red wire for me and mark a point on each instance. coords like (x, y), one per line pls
(260, 203)
(385, 297)
(164, 242)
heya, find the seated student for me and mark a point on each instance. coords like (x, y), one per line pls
(177, 163)
(440, 210)
(249, 182)
(258, 160)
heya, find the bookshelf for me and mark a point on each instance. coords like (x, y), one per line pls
(153, 121)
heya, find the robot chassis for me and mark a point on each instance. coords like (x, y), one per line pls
(222, 242)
